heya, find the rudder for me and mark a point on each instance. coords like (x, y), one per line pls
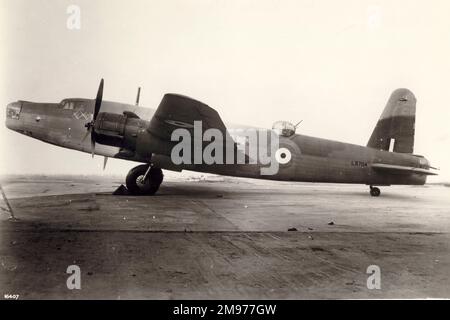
(396, 124)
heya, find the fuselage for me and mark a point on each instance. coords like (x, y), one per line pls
(313, 159)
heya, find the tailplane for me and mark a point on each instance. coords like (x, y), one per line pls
(395, 128)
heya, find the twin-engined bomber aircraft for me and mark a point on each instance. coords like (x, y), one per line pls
(145, 135)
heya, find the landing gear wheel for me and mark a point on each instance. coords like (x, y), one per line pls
(136, 184)
(375, 192)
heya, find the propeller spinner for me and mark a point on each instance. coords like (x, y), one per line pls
(90, 125)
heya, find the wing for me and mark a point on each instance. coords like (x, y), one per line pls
(390, 168)
(177, 111)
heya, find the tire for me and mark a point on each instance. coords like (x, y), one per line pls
(375, 192)
(156, 176)
(150, 186)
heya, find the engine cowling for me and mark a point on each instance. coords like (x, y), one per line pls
(119, 130)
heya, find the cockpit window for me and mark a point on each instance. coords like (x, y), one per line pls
(13, 110)
(72, 104)
(80, 105)
(68, 105)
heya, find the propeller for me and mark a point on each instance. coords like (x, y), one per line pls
(90, 125)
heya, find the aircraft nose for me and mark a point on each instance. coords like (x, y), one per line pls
(13, 110)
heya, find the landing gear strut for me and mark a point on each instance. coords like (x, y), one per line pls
(144, 180)
(374, 191)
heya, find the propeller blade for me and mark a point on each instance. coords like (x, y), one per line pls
(88, 132)
(98, 100)
(105, 160)
(92, 144)
(90, 125)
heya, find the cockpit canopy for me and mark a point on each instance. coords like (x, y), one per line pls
(70, 104)
(284, 128)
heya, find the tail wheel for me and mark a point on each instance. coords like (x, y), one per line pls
(375, 192)
(137, 185)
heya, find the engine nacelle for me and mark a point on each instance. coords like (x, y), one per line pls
(118, 130)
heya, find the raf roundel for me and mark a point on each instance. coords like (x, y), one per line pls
(283, 156)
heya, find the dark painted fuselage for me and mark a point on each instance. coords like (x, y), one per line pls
(313, 159)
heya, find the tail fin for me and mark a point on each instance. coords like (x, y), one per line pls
(395, 128)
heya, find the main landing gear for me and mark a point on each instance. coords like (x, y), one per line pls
(144, 180)
(374, 191)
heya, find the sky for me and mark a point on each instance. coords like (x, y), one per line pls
(332, 64)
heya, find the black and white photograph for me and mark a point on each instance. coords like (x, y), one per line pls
(225, 150)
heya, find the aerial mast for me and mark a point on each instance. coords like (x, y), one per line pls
(138, 96)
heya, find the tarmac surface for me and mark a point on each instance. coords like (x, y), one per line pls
(222, 238)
